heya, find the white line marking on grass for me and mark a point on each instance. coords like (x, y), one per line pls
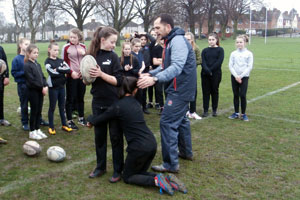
(251, 100)
(18, 184)
(276, 118)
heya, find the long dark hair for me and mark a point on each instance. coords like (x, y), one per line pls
(128, 86)
(215, 35)
(101, 32)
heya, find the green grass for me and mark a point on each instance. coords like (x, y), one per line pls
(233, 159)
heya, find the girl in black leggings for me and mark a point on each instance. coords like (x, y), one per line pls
(141, 141)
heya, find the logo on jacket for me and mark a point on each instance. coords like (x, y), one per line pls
(170, 102)
(107, 62)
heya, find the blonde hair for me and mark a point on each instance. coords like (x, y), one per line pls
(134, 41)
(21, 41)
(77, 32)
(29, 49)
(192, 39)
(122, 53)
(244, 37)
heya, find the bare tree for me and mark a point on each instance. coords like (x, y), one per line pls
(118, 12)
(173, 8)
(147, 9)
(240, 8)
(225, 8)
(79, 10)
(20, 17)
(211, 7)
(52, 20)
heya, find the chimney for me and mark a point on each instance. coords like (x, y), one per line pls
(93, 20)
(66, 23)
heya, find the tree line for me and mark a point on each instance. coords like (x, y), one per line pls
(36, 14)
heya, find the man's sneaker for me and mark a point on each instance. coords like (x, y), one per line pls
(194, 115)
(149, 105)
(82, 121)
(25, 127)
(39, 132)
(204, 114)
(245, 118)
(161, 168)
(234, 116)
(33, 135)
(51, 131)
(72, 125)
(44, 123)
(2, 141)
(176, 184)
(4, 122)
(67, 129)
(161, 182)
(157, 106)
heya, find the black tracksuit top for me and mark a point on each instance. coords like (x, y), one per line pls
(34, 76)
(104, 93)
(56, 69)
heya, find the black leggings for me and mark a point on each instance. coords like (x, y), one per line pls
(75, 93)
(36, 99)
(210, 87)
(136, 166)
(56, 94)
(239, 92)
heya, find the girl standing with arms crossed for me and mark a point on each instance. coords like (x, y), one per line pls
(37, 89)
(191, 38)
(73, 53)
(56, 69)
(211, 74)
(104, 90)
(240, 66)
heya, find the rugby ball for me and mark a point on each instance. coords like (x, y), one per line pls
(56, 154)
(3, 66)
(32, 148)
(86, 64)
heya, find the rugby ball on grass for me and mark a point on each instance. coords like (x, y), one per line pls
(3, 66)
(56, 154)
(86, 64)
(32, 148)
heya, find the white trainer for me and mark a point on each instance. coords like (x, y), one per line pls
(39, 132)
(33, 135)
(194, 115)
(187, 113)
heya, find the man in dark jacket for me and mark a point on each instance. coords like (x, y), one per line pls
(178, 72)
(4, 81)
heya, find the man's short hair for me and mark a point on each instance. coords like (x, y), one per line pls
(166, 19)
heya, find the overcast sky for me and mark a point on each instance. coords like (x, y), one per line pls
(283, 5)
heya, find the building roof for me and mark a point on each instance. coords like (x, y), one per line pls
(92, 25)
(65, 27)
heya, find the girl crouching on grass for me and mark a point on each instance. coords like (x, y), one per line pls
(240, 66)
(56, 69)
(141, 141)
(37, 88)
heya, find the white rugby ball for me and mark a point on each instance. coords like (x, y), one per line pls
(32, 148)
(56, 154)
(3, 66)
(86, 64)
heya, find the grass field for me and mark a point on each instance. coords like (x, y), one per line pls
(259, 159)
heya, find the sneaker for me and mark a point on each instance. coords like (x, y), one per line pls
(176, 184)
(44, 123)
(72, 125)
(214, 114)
(194, 115)
(43, 135)
(25, 127)
(234, 116)
(161, 182)
(82, 121)
(115, 178)
(161, 168)
(205, 114)
(33, 135)
(51, 131)
(185, 157)
(245, 118)
(67, 129)
(150, 105)
(4, 122)
(2, 141)
(157, 106)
